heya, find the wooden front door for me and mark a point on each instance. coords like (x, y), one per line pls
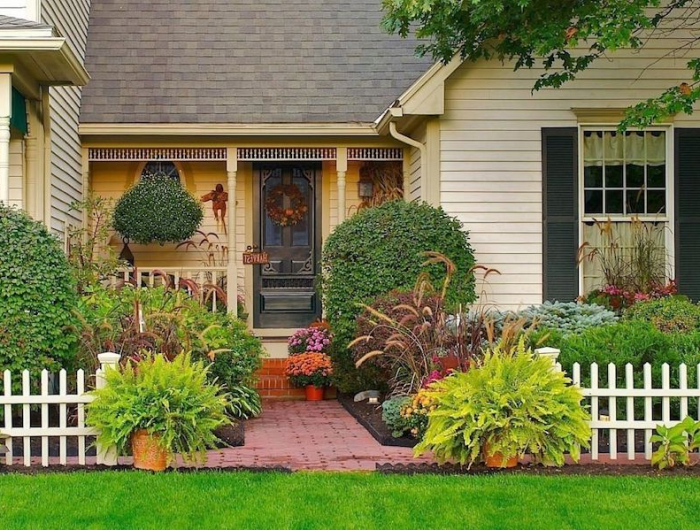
(287, 226)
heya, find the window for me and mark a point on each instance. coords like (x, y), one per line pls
(625, 177)
(167, 169)
(624, 174)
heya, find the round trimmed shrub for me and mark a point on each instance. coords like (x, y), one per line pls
(673, 314)
(37, 297)
(381, 249)
(157, 209)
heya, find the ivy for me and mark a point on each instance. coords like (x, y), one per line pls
(37, 297)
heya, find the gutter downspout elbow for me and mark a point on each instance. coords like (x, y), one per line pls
(413, 143)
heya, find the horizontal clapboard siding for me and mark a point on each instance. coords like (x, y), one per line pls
(491, 151)
(70, 18)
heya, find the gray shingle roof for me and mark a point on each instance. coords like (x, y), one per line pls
(20, 23)
(243, 61)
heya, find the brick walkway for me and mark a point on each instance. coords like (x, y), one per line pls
(311, 436)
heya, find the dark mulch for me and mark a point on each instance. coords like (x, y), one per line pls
(38, 470)
(370, 417)
(526, 469)
(231, 435)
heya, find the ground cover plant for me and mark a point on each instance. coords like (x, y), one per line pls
(37, 298)
(358, 501)
(378, 250)
(673, 314)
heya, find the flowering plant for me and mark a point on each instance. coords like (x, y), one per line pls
(618, 299)
(311, 339)
(415, 412)
(310, 368)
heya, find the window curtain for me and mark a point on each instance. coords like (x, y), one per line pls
(611, 148)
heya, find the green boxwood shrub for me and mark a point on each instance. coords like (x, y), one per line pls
(157, 209)
(381, 249)
(673, 314)
(37, 297)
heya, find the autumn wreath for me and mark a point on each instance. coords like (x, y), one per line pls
(297, 205)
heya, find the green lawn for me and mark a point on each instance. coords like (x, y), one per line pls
(339, 501)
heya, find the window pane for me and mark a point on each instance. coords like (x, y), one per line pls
(614, 202)
(613, 176)
(594, 202)
(635, 201)
(635, 176)
(656, 176)
(656, 202)
(593, 177)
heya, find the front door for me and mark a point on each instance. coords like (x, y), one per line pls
(287, 226)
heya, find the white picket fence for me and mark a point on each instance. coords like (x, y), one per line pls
(63, 400)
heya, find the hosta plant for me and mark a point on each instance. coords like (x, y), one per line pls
(157, 209)
(675, 443)
(513, 403)
(172, 400)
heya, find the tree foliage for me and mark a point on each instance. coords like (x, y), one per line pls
(563, 38)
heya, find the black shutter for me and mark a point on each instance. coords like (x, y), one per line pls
(560, 213)
(687, 202)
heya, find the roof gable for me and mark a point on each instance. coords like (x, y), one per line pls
(243, 61)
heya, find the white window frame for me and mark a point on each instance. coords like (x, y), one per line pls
(669, 218)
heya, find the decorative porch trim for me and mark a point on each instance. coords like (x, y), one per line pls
(375, 153)
(146, 154)
(255, 154)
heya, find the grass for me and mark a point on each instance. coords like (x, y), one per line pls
(344, 501)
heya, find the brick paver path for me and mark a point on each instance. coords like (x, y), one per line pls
(311, 436)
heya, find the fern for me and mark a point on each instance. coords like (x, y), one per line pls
(513, 403)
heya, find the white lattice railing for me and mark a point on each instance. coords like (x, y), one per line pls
(69, 405)
(203, 277)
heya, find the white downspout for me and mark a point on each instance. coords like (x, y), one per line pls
(413, 143)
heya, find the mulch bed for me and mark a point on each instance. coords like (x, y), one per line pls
(231, 435)
(574, 469)
(370, 417)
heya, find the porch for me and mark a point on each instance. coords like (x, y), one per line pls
(246, 193)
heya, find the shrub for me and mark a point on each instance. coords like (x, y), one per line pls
(392, 417)
(381, 249)
(619, 299)
(159, 209)
(309, 368)
(173, 400)
(674, 314)
(514, 403)
(311, 339)
(37, 297)
(566, 317)
(675, 443)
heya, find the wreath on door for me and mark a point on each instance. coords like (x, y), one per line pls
(297, 205)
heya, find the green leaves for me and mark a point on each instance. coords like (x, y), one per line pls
(172, 399)
(675, 443)
(157, 209)
(513, 403)
(562, 42)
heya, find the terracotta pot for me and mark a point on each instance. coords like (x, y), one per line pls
(314, 393)
(147, 453)
(496, 459)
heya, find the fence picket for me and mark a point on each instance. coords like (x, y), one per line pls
(683, 385)
(7, 391)
(80, 390)
(594, 411)
(648, 415)
(612, 410)
(44, 418)
(26, 440)
(665, 401)
(629, 379)
(63, 391)
(576, 379)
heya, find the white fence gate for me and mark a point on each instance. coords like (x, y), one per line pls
(26, 401)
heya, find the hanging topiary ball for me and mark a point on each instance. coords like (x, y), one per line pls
(157, 208)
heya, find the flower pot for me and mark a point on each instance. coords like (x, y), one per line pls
(314, 393)
(147, 453)
(496, 459)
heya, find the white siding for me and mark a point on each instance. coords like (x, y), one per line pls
(19, 8)
(491, 158)
(17, 172)
(70, 18)
(414, 167)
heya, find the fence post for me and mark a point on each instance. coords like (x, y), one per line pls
(108, 361)
(550, 353)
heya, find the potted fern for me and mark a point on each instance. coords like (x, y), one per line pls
(513, 403)
(158, 408)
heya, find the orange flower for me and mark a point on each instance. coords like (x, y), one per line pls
(308, 364)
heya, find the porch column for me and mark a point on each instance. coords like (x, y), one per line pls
(341, 169)
(232, 263)
(5, 112)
